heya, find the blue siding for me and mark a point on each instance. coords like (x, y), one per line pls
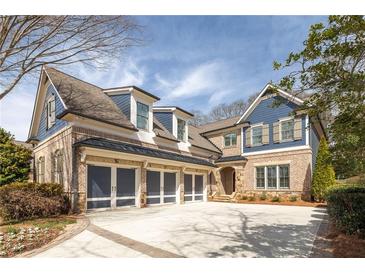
(165, 118)
(265, 113)
(314, 142)
(123, 101)
(43, 132)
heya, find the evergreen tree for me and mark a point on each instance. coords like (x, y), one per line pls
(14, 159)
(324, 175)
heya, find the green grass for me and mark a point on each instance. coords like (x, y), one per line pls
(50, 223)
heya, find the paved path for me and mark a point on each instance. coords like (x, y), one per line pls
(197, 230)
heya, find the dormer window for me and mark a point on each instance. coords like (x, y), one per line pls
(181, 132)
(51, 111)
(142, 116)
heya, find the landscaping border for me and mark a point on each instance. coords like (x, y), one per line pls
(82, 222)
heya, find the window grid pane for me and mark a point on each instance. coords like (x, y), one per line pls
(142, 116)
(257, 136)
(271, 177)
(284, 176)
(260, 177)
(180, 130)
(230, 139)
(287, 130)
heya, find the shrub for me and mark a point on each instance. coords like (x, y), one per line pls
(346, 207)
(244, 197)
(263, 196)
(14, 159)
(276, 199)
(21, 201)
(324, 175)
(252, 198)
(293, 198)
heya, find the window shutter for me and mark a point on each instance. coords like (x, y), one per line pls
(265, 134)
(248, 137)
(276, 137)
(297, 129)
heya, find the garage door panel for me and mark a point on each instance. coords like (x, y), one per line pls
(198, 184)
(99, 182)
(188, 198)
(153, 200)
(98, 204)
(126, 182)
(153, 183)
(198, 197)
(169, 183)
(126, 202)
(169, 199)
(188, 183)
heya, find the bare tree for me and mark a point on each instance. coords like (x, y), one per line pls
(28, 42)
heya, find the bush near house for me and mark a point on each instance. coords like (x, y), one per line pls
(324, 174)
(346, 207)
(22, 201)
(14, 159)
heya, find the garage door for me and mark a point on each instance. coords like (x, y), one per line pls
(161, 187)
(126, 187)
(193, 187)
(98, 187)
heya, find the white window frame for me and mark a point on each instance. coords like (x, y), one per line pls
(266, 177)
(224, 139)
(280, 127)
(256, 126)
(148, 116)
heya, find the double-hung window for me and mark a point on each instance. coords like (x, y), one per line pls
(51, 111)
(272, 177)
(142, 116)
(230, 139)
(257, 136)
(181, 125)
(287, 130)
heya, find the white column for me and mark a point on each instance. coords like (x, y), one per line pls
(113, 187)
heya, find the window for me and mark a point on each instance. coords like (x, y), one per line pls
(260, 177)
(284, 176)
(57, 167)
(273, 177)
(142, 116)
(51, 111)
(181, 124)
(287, 130)
(40, 170)
(257, 136)
(230, 139)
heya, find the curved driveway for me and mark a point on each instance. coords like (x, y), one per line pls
(197, 230)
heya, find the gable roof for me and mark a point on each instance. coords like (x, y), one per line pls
(290, 97)
(197, 140)
(87, 100)
(221, 124)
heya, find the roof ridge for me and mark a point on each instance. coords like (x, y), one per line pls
(69, 75)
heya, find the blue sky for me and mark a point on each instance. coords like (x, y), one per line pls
(194, 62)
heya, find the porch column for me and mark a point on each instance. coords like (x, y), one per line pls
(142, 190)
(181, 191)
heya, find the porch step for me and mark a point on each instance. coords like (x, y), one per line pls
(222, 198)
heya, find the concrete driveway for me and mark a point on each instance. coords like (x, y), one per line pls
(197, 230)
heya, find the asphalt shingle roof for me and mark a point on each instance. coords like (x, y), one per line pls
(139, 150)
(231, 159)
(230, 122)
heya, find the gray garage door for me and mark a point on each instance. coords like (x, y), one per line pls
(126, 187)
(198, 193)
(98, 187)
(153, 187)
(188, 187)
(169, 187)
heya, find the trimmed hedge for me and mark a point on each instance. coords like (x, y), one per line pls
(21, 201)
(346, 207)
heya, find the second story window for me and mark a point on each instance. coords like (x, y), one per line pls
(142, 116)
(287, 130)
(181, 125)
(230, 139)
(51, 111)
(257, 136)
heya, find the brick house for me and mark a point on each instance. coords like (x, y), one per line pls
(114, 147)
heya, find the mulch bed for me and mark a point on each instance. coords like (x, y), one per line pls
(29, 235)
(346, 246)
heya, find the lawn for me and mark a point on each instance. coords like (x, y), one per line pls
(27, 235)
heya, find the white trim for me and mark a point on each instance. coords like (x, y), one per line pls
(307, 129)
(49, 78)
(276, 150)
(241, 141)
(256, 101)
